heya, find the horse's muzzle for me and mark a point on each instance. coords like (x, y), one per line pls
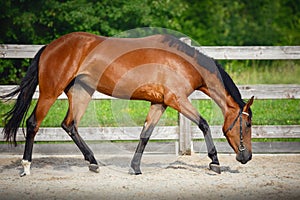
(244, 156)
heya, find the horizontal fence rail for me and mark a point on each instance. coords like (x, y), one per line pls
(263, 91)
(219, 53)
(185, 133)
(159, 133)
(252, 52)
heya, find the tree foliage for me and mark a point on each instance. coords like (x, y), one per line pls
(242, 22)
(210, 22)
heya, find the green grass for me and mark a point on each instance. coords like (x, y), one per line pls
(133, 113)
(264, 72)
(265, 112)
(101, 113)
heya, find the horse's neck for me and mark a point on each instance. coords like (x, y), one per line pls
(227, 104)
(222, 98)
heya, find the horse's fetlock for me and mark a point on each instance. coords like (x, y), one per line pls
(26, 166)
(135, 168)
(213, 155)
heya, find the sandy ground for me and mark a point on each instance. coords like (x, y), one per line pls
(164, 177)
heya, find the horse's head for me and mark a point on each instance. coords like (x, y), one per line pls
(237, 130)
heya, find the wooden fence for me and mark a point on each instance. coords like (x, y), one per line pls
(185, 133)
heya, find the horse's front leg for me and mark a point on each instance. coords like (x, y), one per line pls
(187, 109)
(154, 114)
(211, 149)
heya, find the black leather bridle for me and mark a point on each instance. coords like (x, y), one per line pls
(241, 146)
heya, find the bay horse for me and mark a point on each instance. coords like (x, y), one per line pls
(159, 68)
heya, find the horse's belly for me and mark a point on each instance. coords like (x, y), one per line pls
(152, 92)
(148, 92)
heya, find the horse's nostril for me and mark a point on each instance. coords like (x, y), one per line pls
(250, 157)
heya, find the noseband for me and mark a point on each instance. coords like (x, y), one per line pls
(241, 147)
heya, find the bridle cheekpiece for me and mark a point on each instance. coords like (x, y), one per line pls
(241, 146)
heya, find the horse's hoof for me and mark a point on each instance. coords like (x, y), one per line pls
(23, 174)
(214, 167)
(133, 172)
(94, 168)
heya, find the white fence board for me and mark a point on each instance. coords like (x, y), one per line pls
(18, 51)
(264, 91)
(159, 133)
(217, 52)
(251, 52)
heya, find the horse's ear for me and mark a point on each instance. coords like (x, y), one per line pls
(248, 104)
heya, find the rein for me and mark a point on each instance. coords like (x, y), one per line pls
(241, 147)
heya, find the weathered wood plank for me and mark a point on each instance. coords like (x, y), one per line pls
(263, 91)
(272, 91)
(102, 133)
(217, 52)
(99, 148)
(128, 148)
(159, 133)
(5, 89)
(266, 131)
(257, 147)
(275, 91)
(185, 136)
(18, 51)
(251, 52)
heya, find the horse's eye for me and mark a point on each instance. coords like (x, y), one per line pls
(248, 124)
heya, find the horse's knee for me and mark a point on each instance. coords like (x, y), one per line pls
(203, 125)
(147, 131)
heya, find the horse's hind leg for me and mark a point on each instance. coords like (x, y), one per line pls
(154, 114)
(33, 123)
(79, 96)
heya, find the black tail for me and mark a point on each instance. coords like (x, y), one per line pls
(26, 89)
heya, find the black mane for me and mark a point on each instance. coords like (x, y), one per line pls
(210, 64)
(230, 86)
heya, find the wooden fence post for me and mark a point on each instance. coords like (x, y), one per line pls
(185, 135)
